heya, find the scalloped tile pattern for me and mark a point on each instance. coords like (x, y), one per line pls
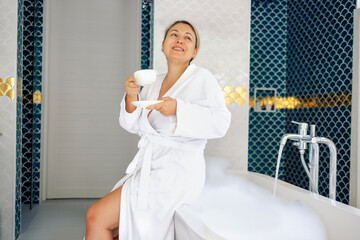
(304, 50)
(31, 118)
(267, 70)
(146, 34)
(18, 168)
(19, 119)
(319, 64)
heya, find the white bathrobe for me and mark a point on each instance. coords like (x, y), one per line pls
(169, 168)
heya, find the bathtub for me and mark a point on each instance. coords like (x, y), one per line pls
(241, 206)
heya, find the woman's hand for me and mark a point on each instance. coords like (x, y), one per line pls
(131, 88)
(166, 108)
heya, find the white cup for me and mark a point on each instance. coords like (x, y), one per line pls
(145, 77)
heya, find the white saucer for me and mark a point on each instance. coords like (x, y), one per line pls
(144, 104)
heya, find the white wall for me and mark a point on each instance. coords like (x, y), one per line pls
(8, 21)
(85, 151)
(224, 28)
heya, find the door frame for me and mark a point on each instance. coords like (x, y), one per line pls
(45, 88)
(355, 118)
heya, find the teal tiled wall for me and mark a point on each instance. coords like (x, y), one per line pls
(28, 132)
(319, 69)
(304, 50)
(268, 37)
(146, 34)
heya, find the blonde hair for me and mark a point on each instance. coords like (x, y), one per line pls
(197, 37)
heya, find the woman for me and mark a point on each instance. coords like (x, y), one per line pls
(169, 168)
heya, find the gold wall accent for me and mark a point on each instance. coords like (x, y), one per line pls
(37, 97)
(309, 101)
(239, 95)
(7, 87)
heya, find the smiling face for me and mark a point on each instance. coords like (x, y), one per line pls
(179, 44)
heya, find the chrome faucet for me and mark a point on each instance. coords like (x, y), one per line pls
(300, 141)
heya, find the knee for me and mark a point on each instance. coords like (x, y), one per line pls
(92, 215)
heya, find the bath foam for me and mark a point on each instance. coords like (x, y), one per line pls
(236, 209)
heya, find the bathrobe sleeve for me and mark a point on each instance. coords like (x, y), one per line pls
(129, 121)
(203, 114)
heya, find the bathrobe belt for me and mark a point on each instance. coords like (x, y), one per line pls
(146, 147)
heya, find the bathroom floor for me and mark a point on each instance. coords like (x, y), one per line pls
(58, 220)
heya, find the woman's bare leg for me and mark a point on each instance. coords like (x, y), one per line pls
(103, 217)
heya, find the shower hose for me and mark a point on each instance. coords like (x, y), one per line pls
(307, 172)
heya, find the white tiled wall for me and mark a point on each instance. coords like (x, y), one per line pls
(224, 28)
(8, 13)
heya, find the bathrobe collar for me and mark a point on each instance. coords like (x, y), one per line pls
(154, 92)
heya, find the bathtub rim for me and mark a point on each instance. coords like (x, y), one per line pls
(251, 176)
